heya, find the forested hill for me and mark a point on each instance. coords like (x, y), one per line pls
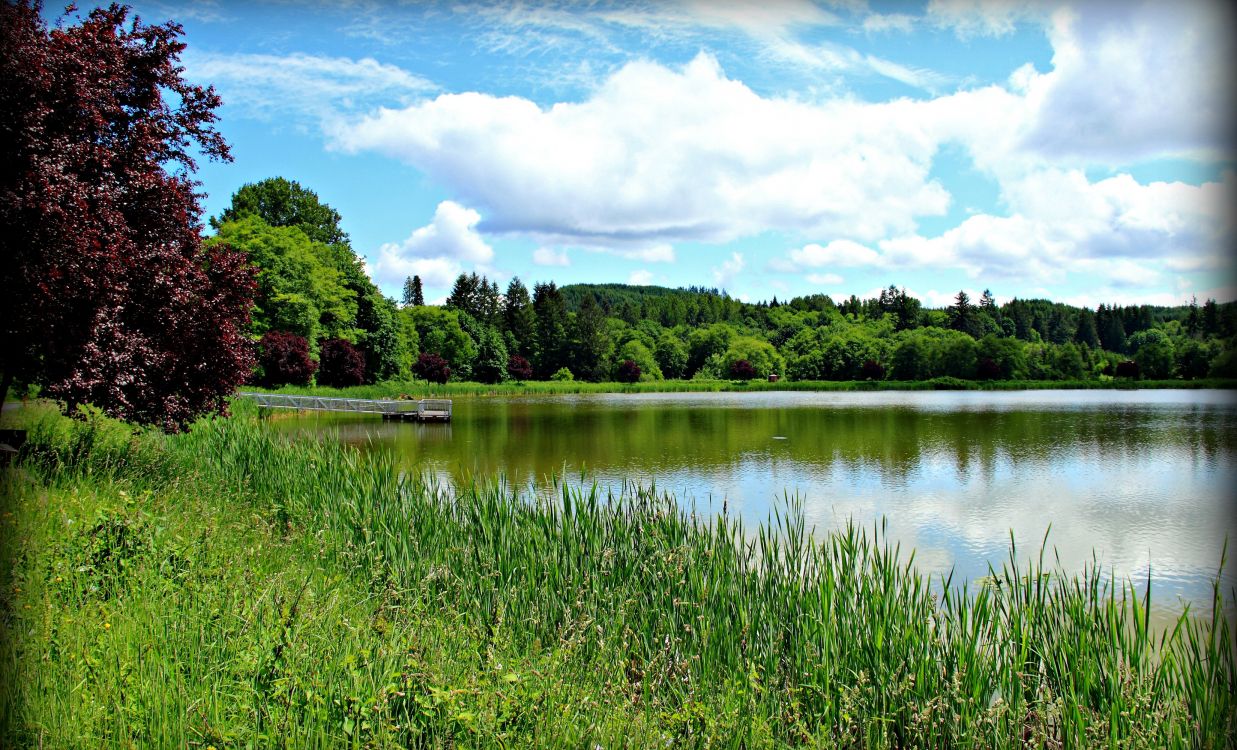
(1053, 321)
(318, 318)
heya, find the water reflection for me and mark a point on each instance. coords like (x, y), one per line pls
(1139, 477)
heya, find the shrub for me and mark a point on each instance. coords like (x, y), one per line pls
(628, 371)
(1127, 369)
(432, 367)
(741, 369)
(285, 359)
(519, 368)
(340, 364)
(872, 370)
(562, 374)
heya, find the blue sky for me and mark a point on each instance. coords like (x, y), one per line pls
(1077, 151)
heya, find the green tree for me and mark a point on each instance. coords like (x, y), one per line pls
(413, 292)
(491, 363)
(299, 288)
(284, 203)
(590, 344)
(637, 352)
(671, 355)
(552, 344)
(519, 319)
(764, 359)
(1006, 355)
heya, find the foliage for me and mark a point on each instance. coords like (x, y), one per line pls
(741, 369)
(279, 202)
(591, 346)
(519, 368)
(439, 331)
(432, 367)
(1128, 369)
(284, 358)
(340, 364)
(299, 289)
(414, 294)
(491, 363)
(563, 374)
(109, 296)
(637, 352)
(628, 372)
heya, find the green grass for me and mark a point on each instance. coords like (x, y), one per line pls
(422, 389)
(229, 588)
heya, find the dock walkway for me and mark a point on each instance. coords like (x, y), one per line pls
(420, 410)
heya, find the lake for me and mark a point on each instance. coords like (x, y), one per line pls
(1141, 479)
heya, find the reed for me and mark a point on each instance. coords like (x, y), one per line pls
(380, 609)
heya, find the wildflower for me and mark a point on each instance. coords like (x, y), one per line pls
(107, 626)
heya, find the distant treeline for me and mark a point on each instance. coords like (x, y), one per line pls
(318, 316)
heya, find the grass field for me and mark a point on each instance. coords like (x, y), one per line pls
(226, 588)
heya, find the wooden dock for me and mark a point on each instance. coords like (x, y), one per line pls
(420, 410)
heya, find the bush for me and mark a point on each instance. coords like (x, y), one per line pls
(340, 364)
(433, 368)
(872, 370)
(1127, 369)
(284, 358)
(741, 369)
(562, 374)
(628, 371)
(519, 368)
(948, 383)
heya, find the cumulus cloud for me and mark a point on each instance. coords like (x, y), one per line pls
(437, 252)
(1138, 80)
(642, 277)
(836, 253)
(724, 274)
(660, 155)
(544, 256)
(265, 86)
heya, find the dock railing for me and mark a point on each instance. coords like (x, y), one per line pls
(424, 409)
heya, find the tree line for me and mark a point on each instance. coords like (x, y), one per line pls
(317, 317)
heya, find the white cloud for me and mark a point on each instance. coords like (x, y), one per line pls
(658, 155)
(1134, 81)
(265, 86)
(824, 279)
(724, 274)
(437, 251)
(875, 23)
(846, 253)
(544, 256)
(640, 278)
(983, 18)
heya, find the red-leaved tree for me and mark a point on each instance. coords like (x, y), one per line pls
(431, 367)
(340, 364)
(284, 357)
(109, 297)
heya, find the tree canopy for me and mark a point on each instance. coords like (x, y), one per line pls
(109, 296)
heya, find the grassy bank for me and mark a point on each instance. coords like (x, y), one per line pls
(421, 388)
(226, 588)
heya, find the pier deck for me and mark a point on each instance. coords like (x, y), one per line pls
(420, 410)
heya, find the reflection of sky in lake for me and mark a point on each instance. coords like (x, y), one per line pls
(1139, 477)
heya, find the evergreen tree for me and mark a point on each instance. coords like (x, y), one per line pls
(590, 342)
(551, 312)
(519, 320)
(1086, 332)
(414, 295)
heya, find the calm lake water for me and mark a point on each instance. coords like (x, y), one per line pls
(1140, 479)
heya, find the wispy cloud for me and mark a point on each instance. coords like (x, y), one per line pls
(264, 86)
